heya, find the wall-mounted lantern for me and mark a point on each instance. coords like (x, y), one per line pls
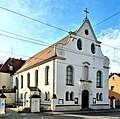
(94, 100)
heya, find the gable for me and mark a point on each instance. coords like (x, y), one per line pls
(113, 76)
(67, 44)
(16, 63)
(86, 31)
(114, 80)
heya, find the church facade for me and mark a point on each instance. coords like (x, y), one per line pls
(71, 74)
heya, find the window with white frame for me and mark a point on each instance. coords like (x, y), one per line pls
(21, 81)
(86, 72)
(71, 96)
(47, 75)
(28, 79)
(16, 82)
(99, 97)
(47, 96)
(69, 75)
(79, 44)
(36, 78)
(99, 79)
(67, 96)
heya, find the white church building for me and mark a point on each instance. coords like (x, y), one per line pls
(71, 74)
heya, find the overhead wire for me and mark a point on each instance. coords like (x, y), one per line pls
(34, 19)
(23, 40)
(50, 26)
(54, 26)
(14, 54)
(65, 49)
(23, 36)
(106, 19)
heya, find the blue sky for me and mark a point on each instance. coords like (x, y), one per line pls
(65, 14)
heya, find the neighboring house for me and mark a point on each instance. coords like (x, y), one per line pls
(71, 74)
(114, 88)
(7, 86)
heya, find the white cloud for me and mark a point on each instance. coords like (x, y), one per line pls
(23, 26)
(111, 37)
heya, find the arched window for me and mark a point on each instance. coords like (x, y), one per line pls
(79, 44)
(93, 48)
(101, 97)
(36, 78)
(16, 82)
(71, 96)
(48, 96)
(86, 72)
(45, 96)
(97, 96)
(67, 96)
(47, 75)
(69, 75)
(21, 81)
(99, 79)
(28, 79)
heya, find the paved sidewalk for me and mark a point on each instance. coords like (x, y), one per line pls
(80, 112)
(12, 113)
(16, 110)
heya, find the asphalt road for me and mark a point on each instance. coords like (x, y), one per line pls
(13, 114)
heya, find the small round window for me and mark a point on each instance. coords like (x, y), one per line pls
(86, 32)
(79, 44)
(93, 48)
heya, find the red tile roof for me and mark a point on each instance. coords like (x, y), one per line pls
(1, 65)
(49, 52)
(16, 63)
(111, 74)
(43, 55)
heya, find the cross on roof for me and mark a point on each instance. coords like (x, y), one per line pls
(86, 12)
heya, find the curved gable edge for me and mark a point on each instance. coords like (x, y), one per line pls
(87, 21)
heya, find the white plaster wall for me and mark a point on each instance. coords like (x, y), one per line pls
(11, 97)
(41, 79)
(75, 58)
(5, 80)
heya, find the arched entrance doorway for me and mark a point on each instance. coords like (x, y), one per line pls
(85, 99)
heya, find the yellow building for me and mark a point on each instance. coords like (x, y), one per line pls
(114, 88)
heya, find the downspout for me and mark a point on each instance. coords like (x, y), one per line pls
(53, 76)
(54, 95)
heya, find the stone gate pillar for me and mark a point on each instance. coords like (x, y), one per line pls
(2, 104)
(53, 102)
(35, 103)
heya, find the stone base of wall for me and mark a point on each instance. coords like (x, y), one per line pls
(44, 107)
(67, 107)
(74, 107)
(100, 106)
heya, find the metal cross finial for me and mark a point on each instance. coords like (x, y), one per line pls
(86, 12)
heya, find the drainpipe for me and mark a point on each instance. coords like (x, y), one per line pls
(53, 76)
(54, 95)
